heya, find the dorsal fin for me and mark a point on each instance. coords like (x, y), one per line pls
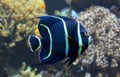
(51, 20)
(48, 20)
(45, 23)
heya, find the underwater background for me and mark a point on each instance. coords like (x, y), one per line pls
(100, 17)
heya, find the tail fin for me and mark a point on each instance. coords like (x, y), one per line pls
(34, 43)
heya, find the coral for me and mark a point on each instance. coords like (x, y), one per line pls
(87, 75)
(118, 75)
(80, 5)
(16, 19)
(104, 27)
(26, 71)
(99, 75)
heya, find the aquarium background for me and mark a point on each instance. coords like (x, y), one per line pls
(100, 17)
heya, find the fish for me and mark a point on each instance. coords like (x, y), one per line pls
(61, 37)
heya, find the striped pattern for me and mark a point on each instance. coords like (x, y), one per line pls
(50, 48)
(31, 45)
(66, 36)
(79, 38)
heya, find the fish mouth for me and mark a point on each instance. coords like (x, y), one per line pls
(90, 40)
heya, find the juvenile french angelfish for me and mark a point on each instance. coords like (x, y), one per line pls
(61, 38)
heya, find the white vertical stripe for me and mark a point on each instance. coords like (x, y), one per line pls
(79, 39)
(66, 35)
(50, 48)
(30, 43)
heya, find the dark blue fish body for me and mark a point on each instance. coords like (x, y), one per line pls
(61, 37)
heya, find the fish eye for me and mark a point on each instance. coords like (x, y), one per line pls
(83, 33)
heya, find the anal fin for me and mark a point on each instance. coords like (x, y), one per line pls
(70, 60)
(52, 58)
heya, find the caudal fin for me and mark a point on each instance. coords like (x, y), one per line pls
(34, 42)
